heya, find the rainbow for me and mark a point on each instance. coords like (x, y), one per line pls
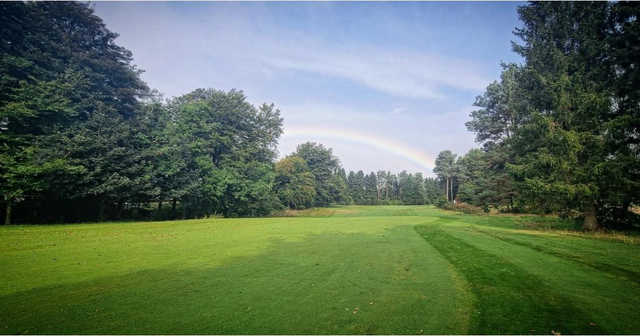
(401, 149)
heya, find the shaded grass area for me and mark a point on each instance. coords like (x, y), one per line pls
(341, 270)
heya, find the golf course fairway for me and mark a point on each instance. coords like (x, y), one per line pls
(343, 270)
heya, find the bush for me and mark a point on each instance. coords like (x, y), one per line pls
(468, 208)
(441, 202)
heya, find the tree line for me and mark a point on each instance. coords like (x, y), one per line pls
(561, 131)
(83, 138)
(312, 176)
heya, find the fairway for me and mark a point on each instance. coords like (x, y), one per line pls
(343, 270)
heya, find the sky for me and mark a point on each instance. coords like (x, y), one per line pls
(386, 85)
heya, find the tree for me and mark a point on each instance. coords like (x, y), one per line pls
(227, 147)
(560, 132)
(294, 182)
(382, 177)
(622, 124)
(431, 190)
(115, 165)
(411, 188)
(445, 168)
(356, 183)
(561, 146)
(392, 186)
(484, 181)
(338, 188)
(501, 110)
(59, 64)
(370, 189)
(323, 166)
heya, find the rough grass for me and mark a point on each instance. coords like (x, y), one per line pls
(344, 270)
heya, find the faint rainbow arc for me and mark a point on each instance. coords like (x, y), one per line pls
(398, 148)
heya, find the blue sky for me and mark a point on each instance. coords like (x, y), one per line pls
(402, 74)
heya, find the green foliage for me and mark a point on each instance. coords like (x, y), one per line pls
(441, 202)
(355, 183)
(447, 170)
(560, 131)
(323, 166)
(82, 137)
(60, 66)
(338, 189)
(370, 194)
(411, 188)
(432, 190)
(445, 164)
(387, 188)
(484, 180)
(501, 109)
(294, 183)
(224, 147)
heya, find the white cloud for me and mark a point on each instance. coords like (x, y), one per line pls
(398, 110)
(398, 73)
(226, 50)
(316, 112)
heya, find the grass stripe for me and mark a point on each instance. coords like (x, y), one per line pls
(604, 267)
(508, 299)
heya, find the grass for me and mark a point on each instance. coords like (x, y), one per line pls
(343, 270)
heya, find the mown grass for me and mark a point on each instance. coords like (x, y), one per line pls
(343, 270)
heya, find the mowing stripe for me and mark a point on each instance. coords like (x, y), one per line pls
(608, 268)
(508, 300)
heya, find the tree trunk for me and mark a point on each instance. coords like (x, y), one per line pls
(590, 218)
(101, 210)
(7, 216)
(173, 209)
(119, 208)
(451, 186)
(446, 189)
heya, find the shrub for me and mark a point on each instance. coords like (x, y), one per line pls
(441, 202)
(468, 208)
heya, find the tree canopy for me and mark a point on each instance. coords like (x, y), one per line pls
(560, 132)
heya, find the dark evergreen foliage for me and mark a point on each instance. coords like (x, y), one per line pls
(561, 132)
